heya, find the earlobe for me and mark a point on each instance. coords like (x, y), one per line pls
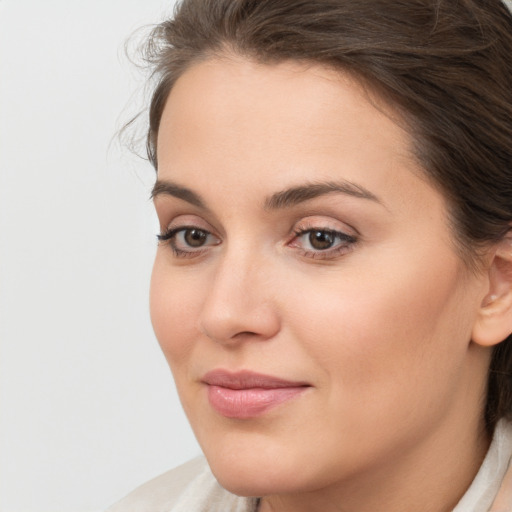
(494, 322)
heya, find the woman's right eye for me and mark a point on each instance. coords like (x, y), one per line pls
(188, 240)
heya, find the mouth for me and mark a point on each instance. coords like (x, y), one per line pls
(245, 394)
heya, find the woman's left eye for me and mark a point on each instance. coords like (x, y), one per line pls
(322, 243)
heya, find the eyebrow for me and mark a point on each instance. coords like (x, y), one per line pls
(280, 200)
(168, 188)
(299, 194)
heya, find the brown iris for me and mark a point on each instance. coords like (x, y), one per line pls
(321, 240)
(195, 237)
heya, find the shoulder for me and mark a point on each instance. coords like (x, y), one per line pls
(162, 493)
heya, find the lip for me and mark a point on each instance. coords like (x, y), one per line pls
(247, 394)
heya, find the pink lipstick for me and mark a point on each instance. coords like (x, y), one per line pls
(245, 394)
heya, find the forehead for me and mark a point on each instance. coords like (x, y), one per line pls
(233, 121)
(248, 95)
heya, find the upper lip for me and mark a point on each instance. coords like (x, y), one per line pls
(247, 379)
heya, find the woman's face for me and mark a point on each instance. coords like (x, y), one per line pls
(308, 296)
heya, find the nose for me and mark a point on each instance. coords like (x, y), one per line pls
(239, 305)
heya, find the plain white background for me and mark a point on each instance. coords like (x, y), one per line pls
(88, 408)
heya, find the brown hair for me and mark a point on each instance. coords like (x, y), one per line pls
(445, 65)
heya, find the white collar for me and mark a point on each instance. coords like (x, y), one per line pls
(492, 485)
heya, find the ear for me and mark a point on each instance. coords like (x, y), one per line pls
(494, 322)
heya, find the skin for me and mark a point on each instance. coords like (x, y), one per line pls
(379, 325)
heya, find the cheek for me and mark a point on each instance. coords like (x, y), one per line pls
(174, 311)
(381, 336)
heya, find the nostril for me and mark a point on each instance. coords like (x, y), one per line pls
(245, 334)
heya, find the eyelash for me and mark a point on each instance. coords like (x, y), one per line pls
(168, 237)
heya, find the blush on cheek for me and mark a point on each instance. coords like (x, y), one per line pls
(171, 316)
(171, 330)
(373, 328)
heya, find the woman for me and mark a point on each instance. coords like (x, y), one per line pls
(333, 283)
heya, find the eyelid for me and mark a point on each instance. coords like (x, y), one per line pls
(185, 220)
(325, 223)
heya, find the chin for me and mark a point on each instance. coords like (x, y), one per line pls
(257, 473)
(245, 479)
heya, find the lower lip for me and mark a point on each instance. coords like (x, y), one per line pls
(249, 403)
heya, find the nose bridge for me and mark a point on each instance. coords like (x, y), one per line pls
(239, 300)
